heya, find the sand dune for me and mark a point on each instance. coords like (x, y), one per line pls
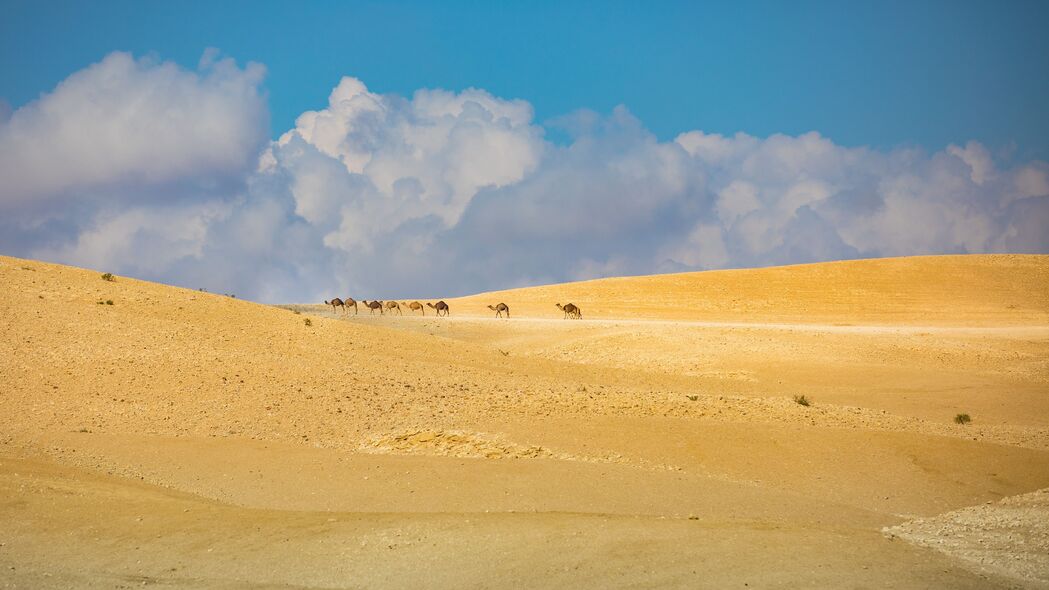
(192, 439)
(923, 290)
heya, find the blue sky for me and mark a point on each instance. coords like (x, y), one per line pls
(296, 151)
(879, 74)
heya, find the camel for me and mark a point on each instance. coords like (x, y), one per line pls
(350, 302)
(499, 309)
(571, 311)
(415, 305)
(373, 305)
(441, 306)
(392, 305)
(336, 303)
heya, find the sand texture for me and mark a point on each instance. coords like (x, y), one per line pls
(152, 435)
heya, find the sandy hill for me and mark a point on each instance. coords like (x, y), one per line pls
(150, 434)
(922, 290)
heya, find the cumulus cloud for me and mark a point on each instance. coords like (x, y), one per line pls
(128, 162)
(368, 164)
(127, 122)
(149, 169)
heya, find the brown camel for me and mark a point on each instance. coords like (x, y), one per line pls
(372, 305)
(441, 306)
(392, 305)
(571, 311)
(349, 302)
(336, 303)
(499, 309)
(416, 306)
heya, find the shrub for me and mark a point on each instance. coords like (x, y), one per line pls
(108, 277)
(109, 302)
(962, 419)
(801, 400)
(308, 322)
(693, 397)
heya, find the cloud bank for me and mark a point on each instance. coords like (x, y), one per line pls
(145, 168)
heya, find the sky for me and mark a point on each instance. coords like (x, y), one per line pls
(298, 151)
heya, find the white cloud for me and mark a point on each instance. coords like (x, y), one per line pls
(149, 169)
(368, 164)
(126, 122)
(1031, 181)
(736, 200)
(703, 247)
(139, 239)
(977, 158)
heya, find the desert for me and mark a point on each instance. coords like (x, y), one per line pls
(524, 295)
(154, 435)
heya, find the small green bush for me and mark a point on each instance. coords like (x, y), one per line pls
(108, 277)
(308, 322)
(962, 419)
(801, 400)
(109, 302)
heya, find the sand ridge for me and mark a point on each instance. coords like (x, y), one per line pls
(973, 290)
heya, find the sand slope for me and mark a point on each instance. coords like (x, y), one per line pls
(173, 434)
(923, 290)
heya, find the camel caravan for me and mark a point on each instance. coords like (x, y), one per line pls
(571, 311)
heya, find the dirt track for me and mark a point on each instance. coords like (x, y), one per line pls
(191, 439)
